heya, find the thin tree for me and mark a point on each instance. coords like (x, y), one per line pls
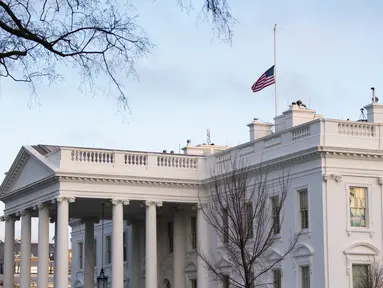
(247, 220)
(369, 276)
(96, 37)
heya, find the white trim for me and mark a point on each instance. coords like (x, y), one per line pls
(369, 221)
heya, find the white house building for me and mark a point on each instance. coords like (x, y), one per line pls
(154, 222)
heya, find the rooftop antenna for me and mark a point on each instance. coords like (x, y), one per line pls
(374, 98)
(208, 142)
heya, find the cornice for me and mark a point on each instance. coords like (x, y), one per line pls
(42, 183)
(111, 180)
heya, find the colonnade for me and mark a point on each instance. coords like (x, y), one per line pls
(61, 245)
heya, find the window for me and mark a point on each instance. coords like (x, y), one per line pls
(193, 227)
(170, 237)
(305, 272)
(108, 249)
(226, 281)
(193, 283)
(125, 247)
(80, 253)
(359, 272)
(275, 214)
(277, 278)
(304, 208)
(249, 219)
(225, 220)
(358, 206)
(95, 252)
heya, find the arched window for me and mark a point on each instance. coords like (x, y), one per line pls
(167, 284)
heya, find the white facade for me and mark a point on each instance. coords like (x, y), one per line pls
(145, 191)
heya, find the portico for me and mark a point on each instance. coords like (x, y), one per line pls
(59, 184)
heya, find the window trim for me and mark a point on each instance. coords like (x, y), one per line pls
(369, 222)
(80, 255)
(272, 213)
(297, 210)
(106, 249)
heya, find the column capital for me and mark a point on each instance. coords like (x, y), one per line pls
(60, 199)
(41, 206)
(23, 213)
(150, 203)
(6, 218)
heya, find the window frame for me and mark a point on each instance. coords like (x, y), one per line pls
(352, 270)
(277, 284)
(301, 275)
(273, 215)
(369, 210)
(170, 229)
(107, 260)
(193, 231)
(80, 255)
(297, 210)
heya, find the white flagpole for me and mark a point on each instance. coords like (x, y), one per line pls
(275, 72)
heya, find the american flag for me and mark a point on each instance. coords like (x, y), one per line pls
(265, 80)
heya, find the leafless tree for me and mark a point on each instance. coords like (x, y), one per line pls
(246, 213)
(368, 276)
(94, 36)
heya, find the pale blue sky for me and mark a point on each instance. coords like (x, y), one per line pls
(328, 51)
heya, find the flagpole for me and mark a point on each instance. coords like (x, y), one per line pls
(275, 71)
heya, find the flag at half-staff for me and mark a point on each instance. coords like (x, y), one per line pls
(265, 80)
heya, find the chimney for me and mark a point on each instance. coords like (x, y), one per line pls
(296, 115)
(374, 110)
(259, 129)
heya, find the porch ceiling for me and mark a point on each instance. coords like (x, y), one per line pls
(135, 210)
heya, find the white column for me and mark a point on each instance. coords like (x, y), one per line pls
(178, 250)
(117, 245)
(55, 255)
(135, 256)
(202, 242)
(43, 247)
(151, 244)
(25, 250)
(62, 243)
(9, 251)
(89, 262)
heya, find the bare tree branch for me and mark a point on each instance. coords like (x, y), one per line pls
(240, 212)
(94, 36)
(368, 276)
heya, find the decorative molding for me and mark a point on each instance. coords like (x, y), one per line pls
(149, 203)
(336, 178)
(126, 202)
(380, 181)
(104, 180)
(115, 201)
(159, 204)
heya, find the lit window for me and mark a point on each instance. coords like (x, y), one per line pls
(108, 249)
(80, 252)
(359, 275)
(277, 278)
(305, 271)
(358, 206)
(193, 222)
(304, 208)
(275, 214)
(170, 236)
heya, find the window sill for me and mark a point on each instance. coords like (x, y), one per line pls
(306, 231)
(351, 230)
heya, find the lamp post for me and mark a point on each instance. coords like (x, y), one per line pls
(102, 279)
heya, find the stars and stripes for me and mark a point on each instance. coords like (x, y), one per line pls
(265, 80)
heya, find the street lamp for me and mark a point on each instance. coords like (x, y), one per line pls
(102, 279)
